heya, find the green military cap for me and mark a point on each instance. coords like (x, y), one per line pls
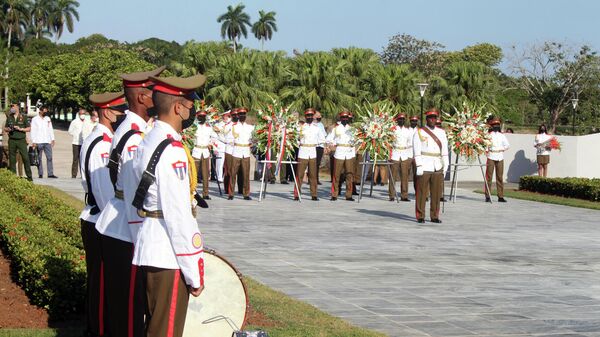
(141, 79)
(109, 100)
(178, 86)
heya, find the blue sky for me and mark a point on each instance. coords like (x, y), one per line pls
(326, 24)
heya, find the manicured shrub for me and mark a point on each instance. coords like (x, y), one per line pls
(41, 203)
(581, 188)
(48, 265)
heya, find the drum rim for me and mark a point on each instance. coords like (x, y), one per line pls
(240, 276)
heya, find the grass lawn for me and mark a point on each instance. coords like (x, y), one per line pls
(547, 198)
(272, 311)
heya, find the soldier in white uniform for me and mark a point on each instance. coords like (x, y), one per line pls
(430, 149)
(205, 138)
(402, 154)
(495, 160)
(220, 144)
(117, 233)
(343, 139)
(242, 140)
(309, 138)
(98, 188)
(169, 247)
(229, 140)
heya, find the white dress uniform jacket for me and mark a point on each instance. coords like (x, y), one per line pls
(99, 176)
(341, 136)
(540, 139)
(174, 242)
(323, 134)
(205, 136)
(428, 155)
(227, 137)
(113, 220)
(242, 138)
(310, 137)
(499, 145)
(41, 130)
(403, 145)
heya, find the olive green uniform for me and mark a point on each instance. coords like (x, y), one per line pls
(17, 142)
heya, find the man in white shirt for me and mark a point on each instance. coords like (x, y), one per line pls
(220, 145)
(401, 157)
(242, 140)
(430, 149)
(168, 249)
(98, 188)
(76, 131)
(344, 157)
(495, 161)
(205, 137)
(320, 146)
(310, 136)
(42, 137)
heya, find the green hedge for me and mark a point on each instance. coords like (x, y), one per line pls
(581, 188)
(48, 266)
(43, 204)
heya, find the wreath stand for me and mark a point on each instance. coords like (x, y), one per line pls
(363, 175)
(459, 167)
(263, 183)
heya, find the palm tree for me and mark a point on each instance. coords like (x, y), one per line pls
(265, 26)
(14, 21)
(40, 17)
(64, 13)
(234, 24)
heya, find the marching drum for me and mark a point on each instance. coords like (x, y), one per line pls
(222, 307)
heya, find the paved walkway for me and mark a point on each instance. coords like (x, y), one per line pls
(515, 269)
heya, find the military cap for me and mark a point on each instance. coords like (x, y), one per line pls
(178, 86)
(432, 113)
(309, 112)
(234, 111)
(109, 100)
(495, 121)
(400, 115)
(242, 111)
(141, 79)
(414, 118)
(345, 113)
(226, 113)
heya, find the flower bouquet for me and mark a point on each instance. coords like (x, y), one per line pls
(554, 144)
(276, 132)
(374, 131)
(468, 131)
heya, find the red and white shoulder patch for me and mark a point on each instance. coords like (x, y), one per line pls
(180, 168)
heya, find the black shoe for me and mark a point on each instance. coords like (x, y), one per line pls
(206, 197)
(392, 198)
(501, 200)
(354, 193)
(315, 199)
(382, 184)
(52, 176)
(350, 199)
(443, 200)
(436, 220)
(284, 182)
(488, 200)
(421, 220)
(405, 199)
(40, 176)
(296, 198)
(247, 198)
(319, 183)
(333, 199)
(230, 197)
(272, 182)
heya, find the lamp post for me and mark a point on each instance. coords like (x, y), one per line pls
(422, 88)
(574, 102)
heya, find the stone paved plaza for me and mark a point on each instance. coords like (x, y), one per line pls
(515, 269)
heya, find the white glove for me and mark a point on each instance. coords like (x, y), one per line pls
(419, 170)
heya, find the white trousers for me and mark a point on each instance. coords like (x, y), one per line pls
(220, 162)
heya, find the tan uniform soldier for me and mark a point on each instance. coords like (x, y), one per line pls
(205, 137)
(402, 155)
(242, 140)
(495, 161)
(310, 137)
(430, 148)
(345, 155)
